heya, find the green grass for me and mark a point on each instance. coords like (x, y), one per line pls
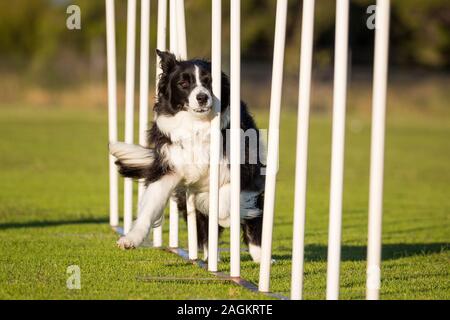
(54, 213)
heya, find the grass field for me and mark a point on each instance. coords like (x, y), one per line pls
(54, 213)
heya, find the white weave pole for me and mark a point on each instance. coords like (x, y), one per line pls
(304, 93)
(377, 149)
(273, 144)
(190, 199)
(173, 223)
(173, 211)
(161, 42)
(129, 107)
(192, 226)
(112, 111)
(181, 30)
(215, 148)
(161, 45)
(338, 143)
(144, 80)
(235, 137)
(173, 39)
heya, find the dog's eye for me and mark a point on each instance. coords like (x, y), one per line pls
(184, 84)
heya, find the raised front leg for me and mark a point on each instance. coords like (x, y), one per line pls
(151, 209)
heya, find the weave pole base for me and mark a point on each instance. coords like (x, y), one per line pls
(223, 276)
(220, 275)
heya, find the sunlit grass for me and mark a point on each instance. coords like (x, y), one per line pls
(54, 213)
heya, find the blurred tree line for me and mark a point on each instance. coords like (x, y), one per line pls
(35, 41)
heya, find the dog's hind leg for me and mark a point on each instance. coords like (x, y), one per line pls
(202, 233)
(151, 209)
(252, 229)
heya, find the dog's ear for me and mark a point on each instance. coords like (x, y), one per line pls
(168, 60)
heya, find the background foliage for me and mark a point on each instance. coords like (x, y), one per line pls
(34, 38)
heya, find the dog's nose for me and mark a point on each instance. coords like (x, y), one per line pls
(202, 98)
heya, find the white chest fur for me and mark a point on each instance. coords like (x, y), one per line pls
(189, 152)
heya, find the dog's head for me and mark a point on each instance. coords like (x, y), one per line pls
(184, 86)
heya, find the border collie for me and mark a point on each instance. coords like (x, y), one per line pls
(177, 160)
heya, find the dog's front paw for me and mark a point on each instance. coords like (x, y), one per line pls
(125, 243)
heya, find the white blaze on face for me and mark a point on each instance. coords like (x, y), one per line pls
(198, 90)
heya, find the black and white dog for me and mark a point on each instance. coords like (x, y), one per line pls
(177, 160)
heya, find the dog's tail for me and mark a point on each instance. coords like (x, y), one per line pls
(133, 160)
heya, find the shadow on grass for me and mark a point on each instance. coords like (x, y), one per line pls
(56, 223)
(313, 253)
(317, 253)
